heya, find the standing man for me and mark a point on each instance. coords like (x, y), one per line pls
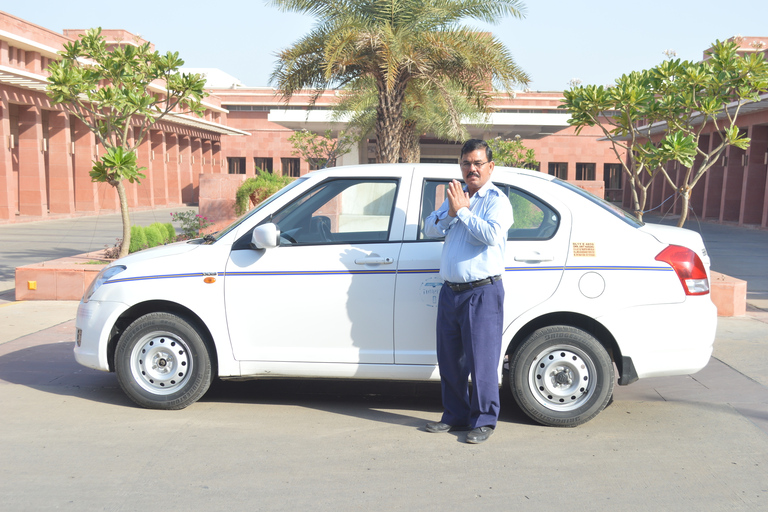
(474, 221)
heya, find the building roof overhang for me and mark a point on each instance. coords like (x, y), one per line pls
(34, 82)
(28, 44)
(23, 79)
(501, 124)
(753, 107)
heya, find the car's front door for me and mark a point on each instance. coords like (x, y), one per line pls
(326, 293)
(537, 248)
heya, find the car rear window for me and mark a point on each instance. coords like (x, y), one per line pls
(602, 203)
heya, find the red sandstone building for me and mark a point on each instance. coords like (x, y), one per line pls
(46, 154)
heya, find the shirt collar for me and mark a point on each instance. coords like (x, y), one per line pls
(483, 190)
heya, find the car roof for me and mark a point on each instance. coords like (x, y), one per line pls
(447, 170)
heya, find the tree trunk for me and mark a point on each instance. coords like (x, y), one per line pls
(637, 210)
(685, 200)
(389, 121)
(410, 149)
(120, 187)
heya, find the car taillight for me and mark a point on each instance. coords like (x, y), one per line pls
(689, 269)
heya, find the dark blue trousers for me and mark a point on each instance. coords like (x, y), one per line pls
(469, 325)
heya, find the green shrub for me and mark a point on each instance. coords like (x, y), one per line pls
(171, 231)
(138, 239)
(255, 190)
(161, 231)
(154, 237)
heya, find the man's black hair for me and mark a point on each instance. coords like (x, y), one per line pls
(475, 144)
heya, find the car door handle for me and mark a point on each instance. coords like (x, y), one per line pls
(374, 260)
(534, 257)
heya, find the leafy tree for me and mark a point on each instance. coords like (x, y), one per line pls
(394, 42)
(322, 150)
(119, 93)
(682, 97)
(513, 153)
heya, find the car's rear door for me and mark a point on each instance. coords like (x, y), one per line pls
(536, 253)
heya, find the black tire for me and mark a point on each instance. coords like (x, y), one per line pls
(561, 376)
(162, 362)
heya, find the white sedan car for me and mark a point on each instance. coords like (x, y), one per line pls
(333, 277)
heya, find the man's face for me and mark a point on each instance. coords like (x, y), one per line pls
(475, 169)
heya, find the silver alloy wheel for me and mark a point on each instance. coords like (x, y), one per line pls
(160, 363)
(560, 378)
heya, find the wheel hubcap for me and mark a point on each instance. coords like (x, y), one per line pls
(160, 363)
(560, 378)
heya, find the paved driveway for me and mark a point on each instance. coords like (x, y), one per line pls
(71, 440)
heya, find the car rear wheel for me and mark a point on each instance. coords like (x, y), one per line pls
(561, 376)
(162, 362)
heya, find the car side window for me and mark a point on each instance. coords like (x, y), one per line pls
(533, 219)
(433, 194)
(339, 211)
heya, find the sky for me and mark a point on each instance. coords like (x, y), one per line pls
(594, 41)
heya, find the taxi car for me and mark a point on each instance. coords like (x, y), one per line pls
(333, 277)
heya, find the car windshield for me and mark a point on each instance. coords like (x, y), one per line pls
(602, 203)
(217, 236)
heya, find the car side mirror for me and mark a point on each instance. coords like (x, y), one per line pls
(266, 236)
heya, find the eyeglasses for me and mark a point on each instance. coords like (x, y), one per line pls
(469, 165)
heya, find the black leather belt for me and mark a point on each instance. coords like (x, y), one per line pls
(461, 287)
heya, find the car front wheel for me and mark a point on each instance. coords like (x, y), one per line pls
(561, 376)
(162, 362)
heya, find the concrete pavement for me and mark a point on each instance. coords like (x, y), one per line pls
(71, 440)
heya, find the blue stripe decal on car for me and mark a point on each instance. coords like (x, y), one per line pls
(375, 272)
(161, 276)
(309, 273)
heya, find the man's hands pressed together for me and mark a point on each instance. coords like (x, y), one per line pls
(457, 198)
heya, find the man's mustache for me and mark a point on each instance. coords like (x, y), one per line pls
(473, 173)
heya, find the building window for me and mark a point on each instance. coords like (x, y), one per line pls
(585, 172)
(559, 170)
(265, 164)
(291, 167)
(236, 164)
(612, 176)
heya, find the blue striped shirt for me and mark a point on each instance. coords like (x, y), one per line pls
(476, 238)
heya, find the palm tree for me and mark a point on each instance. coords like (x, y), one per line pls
(442, 112)
(394, 42)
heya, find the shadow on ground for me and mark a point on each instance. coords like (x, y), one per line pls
(51, 368)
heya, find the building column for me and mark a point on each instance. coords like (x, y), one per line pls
(197, 167)
(186, 180)
(145, 196)
(172, 168)
(733, 184)
(85, 190)
(131, 189)
(714, 179)
(62, 196)
(158, 169)
(106, 194)
(699, 192)
(754, 195)
(218, 160)
(207, 166)
(8, 185)
(32, 186)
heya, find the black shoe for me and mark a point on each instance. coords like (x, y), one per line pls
(438, 427)
(479, 434)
